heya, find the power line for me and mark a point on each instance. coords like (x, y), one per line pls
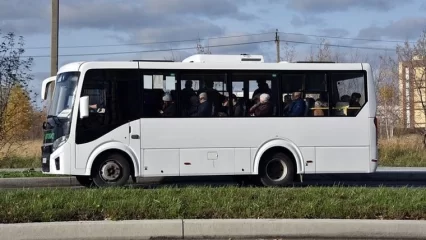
(149, 43)
(147, 51)
(221, 37)
(347, 38)
(211, 46)
(342, 46)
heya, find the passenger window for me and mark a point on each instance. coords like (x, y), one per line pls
(304, 95)
(349, 93)
(251, 86)
(113, 99)
(203, 95)
(159, 95)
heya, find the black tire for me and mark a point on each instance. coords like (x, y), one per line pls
(118, 171)
(276, 169)
(85, 181)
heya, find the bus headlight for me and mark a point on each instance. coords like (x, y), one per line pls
(59, 142)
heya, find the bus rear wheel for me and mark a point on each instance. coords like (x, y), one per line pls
(113, 170)
(277, 169)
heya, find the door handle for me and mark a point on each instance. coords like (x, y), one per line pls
(135, 136)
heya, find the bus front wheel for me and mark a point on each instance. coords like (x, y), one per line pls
(112, 170)
(85, 181)
(277, 169)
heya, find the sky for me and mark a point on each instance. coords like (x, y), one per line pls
(157, 29)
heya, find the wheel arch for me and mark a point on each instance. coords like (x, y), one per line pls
(279, 144)
(114, 147)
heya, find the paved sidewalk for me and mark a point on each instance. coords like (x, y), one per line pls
(217, 228)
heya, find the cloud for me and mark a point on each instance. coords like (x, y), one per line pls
(335, 32)
(194, 29)
(31, 17)
(25, 17)
(298, 21)
(244, 43)
(407, 28)
(128, 15)
(322, 6)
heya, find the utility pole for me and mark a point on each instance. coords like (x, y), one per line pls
(54, 38)
(277, 42)
(54, 41)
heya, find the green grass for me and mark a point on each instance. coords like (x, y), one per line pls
(26, 174)
(405, 151)
(20, 162)
(207, 202)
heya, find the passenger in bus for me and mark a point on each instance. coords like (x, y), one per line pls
(214, 97)
(297, 107)
(262, 88)
(187, 93)
(192, 110)
(342, 105)
(286, 103)
(205, 108)
(321, 102)
(169, 107)
(238, 110)
(354, 103)
(262, 109)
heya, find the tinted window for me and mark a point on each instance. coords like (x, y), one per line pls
(114, 101)
(349, 93)
(203, 94)
(159, 94)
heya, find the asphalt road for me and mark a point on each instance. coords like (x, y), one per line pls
(389, 177)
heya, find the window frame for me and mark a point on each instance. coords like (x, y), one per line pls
(229, 78)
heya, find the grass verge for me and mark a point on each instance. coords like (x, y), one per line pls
(405, 151)
(48, 205)
(26, 174)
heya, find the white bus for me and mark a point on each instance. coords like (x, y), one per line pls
(112, 121)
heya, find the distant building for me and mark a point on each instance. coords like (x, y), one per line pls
(412, 88)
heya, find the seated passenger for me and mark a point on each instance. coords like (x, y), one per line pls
(354, 102)
(192, 110)
(262, 109)
(205, 107)
(321, 102)
(297, 107)
(169, 107)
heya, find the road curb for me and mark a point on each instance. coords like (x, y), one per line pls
(30, 182)
(144, 229)
(218, 228)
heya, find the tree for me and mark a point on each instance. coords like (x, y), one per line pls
(388, 111)
(289, 52)
(14, 80)
(412, 58)
(17, 115)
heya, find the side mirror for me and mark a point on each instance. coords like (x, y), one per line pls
(84, 107)
(45, 87)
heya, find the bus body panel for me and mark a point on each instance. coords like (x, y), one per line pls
(373, 155)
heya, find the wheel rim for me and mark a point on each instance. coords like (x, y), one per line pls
(276, 170)
(110, 171)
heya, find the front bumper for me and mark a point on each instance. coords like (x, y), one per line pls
(56, 162)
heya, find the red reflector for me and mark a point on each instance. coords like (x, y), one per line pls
(187, 163)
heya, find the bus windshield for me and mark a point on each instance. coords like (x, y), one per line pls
(63, 96)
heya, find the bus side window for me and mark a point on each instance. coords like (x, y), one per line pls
(349, 93)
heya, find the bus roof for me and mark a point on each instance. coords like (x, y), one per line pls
(214, 62)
